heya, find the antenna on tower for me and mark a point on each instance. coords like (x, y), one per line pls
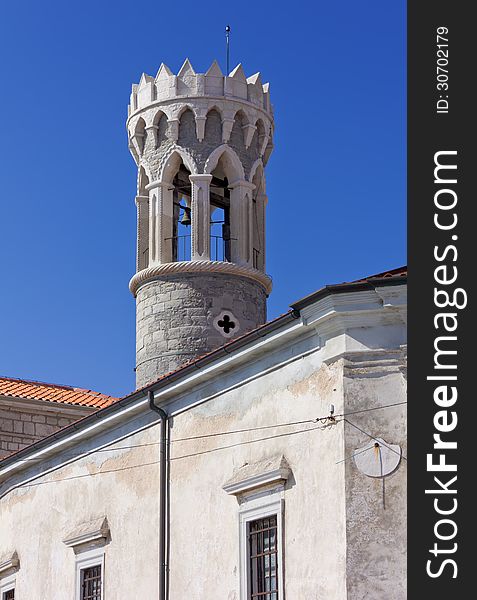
(227, 39)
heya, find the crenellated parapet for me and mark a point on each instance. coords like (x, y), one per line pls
(157, 105)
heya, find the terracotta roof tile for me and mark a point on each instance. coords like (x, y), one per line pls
(50, 392)
(400, 272)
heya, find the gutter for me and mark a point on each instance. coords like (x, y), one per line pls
(162, 495)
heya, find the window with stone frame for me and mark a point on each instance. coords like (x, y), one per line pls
(91, 583)
(263, 558)
(10, 595)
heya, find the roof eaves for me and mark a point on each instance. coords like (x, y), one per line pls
(342, 288)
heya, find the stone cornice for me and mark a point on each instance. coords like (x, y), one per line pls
(8, 562)
(88, 532)
(199, 266)
(264, 473)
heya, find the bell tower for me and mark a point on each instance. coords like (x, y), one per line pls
(201, 142)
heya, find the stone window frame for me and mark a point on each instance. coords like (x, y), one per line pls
(88, 543)
(254, 507)
(9, 566)
(7, 584)
(86, 560)
(260, 490)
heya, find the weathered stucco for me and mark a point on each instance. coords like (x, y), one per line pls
(340, 541)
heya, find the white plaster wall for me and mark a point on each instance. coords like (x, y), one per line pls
(375, 508)
(35, 520)
(204, 519)
(340, 544)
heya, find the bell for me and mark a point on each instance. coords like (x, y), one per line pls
(186, 216)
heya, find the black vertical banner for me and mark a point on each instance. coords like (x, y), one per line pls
(442, 307)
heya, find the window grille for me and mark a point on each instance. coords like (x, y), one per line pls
(91, 583)
(263, 559)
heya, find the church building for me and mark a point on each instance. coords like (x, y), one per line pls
(256, 460)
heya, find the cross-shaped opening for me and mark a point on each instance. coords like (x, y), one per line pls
(226, 324)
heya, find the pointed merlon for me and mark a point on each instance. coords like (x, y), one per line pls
(164, 71)
(254, 79)
(145, 78)
(266, 88)
(214, 70)
(238, 73)
(186, 69)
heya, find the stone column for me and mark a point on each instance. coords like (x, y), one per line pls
(241, 222)
(161, 216)
(261, 201)
(142, 204)
(200, 211)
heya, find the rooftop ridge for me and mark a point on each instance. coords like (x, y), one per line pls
(13, 387)
(37, 382)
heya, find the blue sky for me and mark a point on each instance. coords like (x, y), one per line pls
(336, 180)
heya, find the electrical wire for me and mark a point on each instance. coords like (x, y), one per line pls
(375, 439)
(322, 420)
(325, 422)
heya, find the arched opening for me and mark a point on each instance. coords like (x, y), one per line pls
(177, 210)
(187, 135)
(259, 136)
(160, 123)
(213, 128)
(258, 218)
(182, 221)
(140, 135)
(142, 203)
(237, 138)
(222, 235)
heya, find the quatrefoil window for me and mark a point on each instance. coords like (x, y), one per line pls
(226, 323)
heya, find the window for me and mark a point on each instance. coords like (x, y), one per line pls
(261, 546)
(7, 588)
(91, 583)
(263, 558)
(260, 489)
(90, 574)
(88, 541)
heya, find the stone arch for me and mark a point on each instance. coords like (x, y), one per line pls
(139, 135)
(213, 126)
(257, 169)
(187, 128)
(182, 109)
(160, 122)
(171, 164)
(233, 162)
(142, 204)
(261, 134)
(241, 114)
(237, 135)
(218, 109)
(143, 180)
(257, 178)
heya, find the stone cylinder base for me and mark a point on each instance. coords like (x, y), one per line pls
(181, 317)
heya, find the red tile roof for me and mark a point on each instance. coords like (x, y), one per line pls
(400, 272)
(65, 394)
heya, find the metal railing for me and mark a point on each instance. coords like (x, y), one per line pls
(181, 248)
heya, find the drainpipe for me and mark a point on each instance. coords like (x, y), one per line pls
(162, 496)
